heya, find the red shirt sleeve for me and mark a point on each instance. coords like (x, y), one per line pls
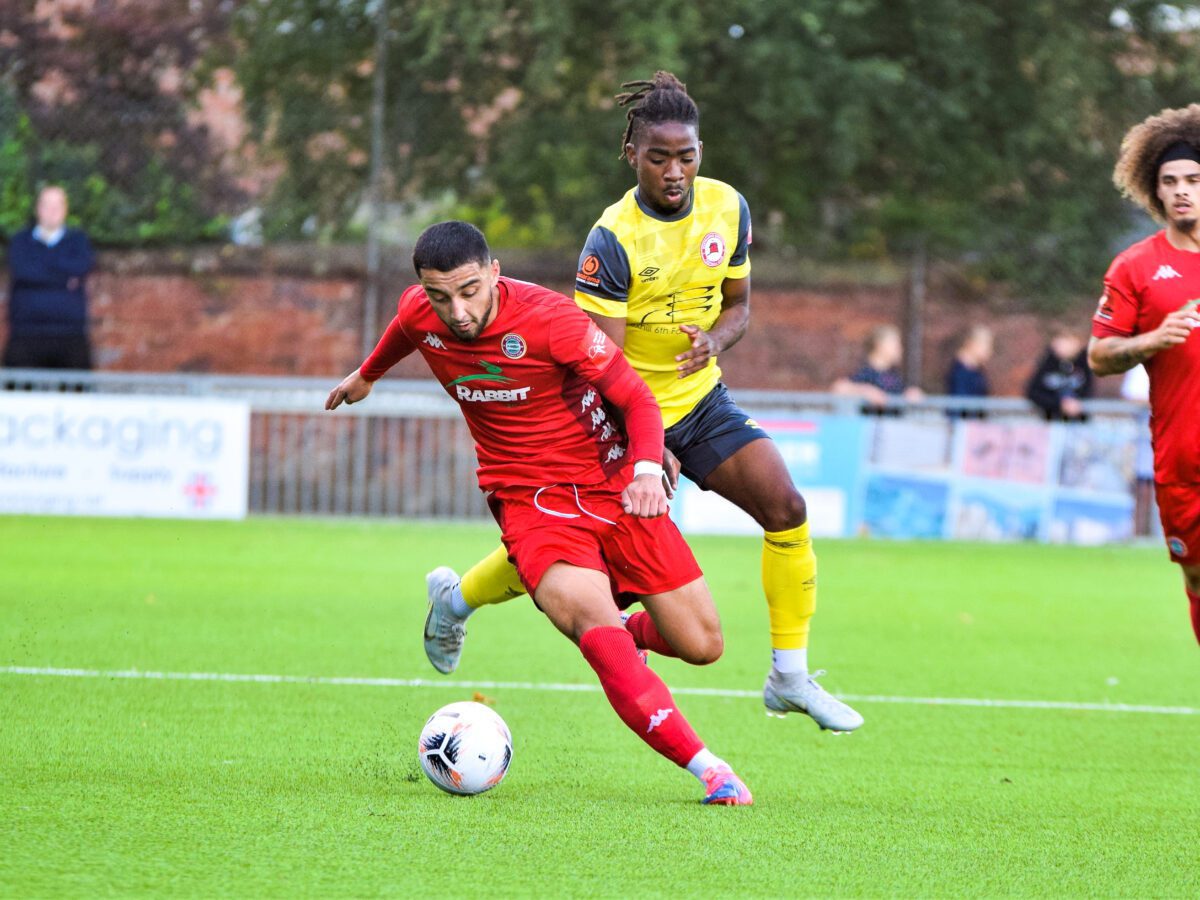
(1117, 314)
(392, 347)
(576, 342)
(624, 389)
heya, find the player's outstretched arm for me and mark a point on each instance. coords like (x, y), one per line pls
(729, 328)
(1114, 355)
(351, 389)
(392, 347)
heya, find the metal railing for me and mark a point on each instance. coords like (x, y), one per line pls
(406, 451)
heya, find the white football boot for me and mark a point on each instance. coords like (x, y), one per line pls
(799, 692)
(444, 631)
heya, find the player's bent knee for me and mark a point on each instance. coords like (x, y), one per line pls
(703, 649)
(713, 648)
(787, 511)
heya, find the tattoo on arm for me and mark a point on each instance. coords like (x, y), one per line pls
(1128, 357)
(1115, 355)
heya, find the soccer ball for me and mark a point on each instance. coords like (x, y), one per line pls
(465, 748)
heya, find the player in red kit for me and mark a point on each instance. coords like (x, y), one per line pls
(1148, 315)
(570, 443)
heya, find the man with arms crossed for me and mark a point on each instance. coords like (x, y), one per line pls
(1147, 316)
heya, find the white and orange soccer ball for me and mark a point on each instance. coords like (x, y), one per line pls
(465, 748)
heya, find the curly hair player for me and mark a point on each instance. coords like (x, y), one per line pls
(665, 273)
(1147, 315)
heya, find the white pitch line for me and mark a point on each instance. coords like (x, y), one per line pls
(561, 687)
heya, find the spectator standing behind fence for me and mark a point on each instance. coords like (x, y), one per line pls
(47, 298)
(879, 378)
(1062, 380)
(966, 376)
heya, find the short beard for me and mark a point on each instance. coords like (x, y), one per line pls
(1187, 226)
(483, 322)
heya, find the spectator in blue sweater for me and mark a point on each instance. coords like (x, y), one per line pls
(966, 377)
(47, 298)
(879, 379)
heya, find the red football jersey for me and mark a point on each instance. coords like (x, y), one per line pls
(525, 385)
(1144, 284)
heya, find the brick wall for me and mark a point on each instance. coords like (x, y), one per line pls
(298, 311)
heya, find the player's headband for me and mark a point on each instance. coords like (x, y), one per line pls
(1179, 150)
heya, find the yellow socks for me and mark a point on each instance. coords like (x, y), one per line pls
(491, 580)
(789, 574)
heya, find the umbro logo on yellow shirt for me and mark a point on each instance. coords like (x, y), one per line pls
(649, 273)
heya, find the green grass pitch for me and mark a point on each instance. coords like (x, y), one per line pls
(201, 788)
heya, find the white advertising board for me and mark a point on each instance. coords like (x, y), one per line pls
(119, 455)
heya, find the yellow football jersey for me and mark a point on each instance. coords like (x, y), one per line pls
(661, 272)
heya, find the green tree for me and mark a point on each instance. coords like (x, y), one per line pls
(979, 130)
(84, 102)
(506, 106)
(983, 127)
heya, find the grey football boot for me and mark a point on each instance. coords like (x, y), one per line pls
(444, 631)
(799, 692)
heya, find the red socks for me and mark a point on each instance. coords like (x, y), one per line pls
(639, 696)
(646, 635)
(1195, 602)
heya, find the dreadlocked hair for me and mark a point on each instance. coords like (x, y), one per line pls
(1136, 172)
(662, 99)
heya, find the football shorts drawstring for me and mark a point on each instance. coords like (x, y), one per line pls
(568, 515)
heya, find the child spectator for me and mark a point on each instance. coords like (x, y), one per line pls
(879, 378)
(1062, 380)
(966, 376)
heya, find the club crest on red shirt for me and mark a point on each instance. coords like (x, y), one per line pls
(513, 346)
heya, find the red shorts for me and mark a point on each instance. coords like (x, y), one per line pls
(585, 526)
(1179, 510)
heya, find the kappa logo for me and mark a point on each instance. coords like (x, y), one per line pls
(433, 341)
(599, 345)
(712, 249)
(1165, 272)
(658, 718)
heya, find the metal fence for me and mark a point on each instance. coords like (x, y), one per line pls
(406, 451)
